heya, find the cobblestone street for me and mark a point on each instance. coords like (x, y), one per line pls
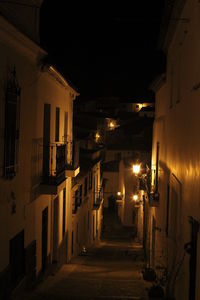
(111, 270)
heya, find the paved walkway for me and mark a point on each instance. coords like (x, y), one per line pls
(110, 271)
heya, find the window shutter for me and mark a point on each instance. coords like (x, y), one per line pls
(11, 130)
(57, 124)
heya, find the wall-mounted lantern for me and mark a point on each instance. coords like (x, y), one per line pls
(136, 169)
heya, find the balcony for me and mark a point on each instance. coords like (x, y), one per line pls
(72, 168)
(54, 162)
(98, 198)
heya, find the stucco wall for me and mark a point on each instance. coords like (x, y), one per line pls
(176, 129)
(37, 87)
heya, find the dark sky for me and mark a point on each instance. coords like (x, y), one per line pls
(104, 49)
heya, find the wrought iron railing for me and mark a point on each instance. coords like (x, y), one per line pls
(54, 162)
(98, 197)
(72, 161)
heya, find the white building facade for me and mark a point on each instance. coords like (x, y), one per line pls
(87, 205)
(175, 219)
(36, 160)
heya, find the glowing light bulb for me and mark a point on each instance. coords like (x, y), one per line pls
(97, 137)
(135, 198)
(136, 169)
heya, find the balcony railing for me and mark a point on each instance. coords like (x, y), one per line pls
(98, 198)
(54, 162)
(72, 162)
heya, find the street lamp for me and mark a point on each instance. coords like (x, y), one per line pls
(142, 179)
(143, 176)
(136, 200)
(97, 137)
(111, 125)
(119, 197)
(135, 197)
(151, 194)
(136, 169)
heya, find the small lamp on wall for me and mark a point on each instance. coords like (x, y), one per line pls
(136, 169)
(135, 198)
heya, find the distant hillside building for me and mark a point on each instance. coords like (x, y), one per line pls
(113, 105)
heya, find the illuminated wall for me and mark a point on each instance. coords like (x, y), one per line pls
(176, 130)
(23, 197)
(87, 214)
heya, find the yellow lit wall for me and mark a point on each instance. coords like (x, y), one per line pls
(176, 129)
(38, 86)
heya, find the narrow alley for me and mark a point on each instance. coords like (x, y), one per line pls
(110, 270)
(99, 150)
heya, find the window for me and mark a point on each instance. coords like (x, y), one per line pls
(93, 228)
(167, 210)
(77, 233)
(46, 139)
(80, 194)
(85, 186)
(88, 220)
(11, 130)
(94, 195)
(157, 166)
(179, 72)
(90, 180)
(171, 86)
(97, 183)
(97, 224)
(57, 124)
(64, 212)
(72, 243)
(65, 126)
(75, 203)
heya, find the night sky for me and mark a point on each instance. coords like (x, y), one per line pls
(104, 50)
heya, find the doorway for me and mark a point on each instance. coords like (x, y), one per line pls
(193, 258)
(46, 139)
(17, 259)
(44, 237)
(153, 241)
(111, 204)
(55, 230)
